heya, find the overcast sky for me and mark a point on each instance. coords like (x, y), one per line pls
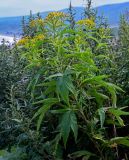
(22, 7)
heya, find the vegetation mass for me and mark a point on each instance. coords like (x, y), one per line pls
(64, 89)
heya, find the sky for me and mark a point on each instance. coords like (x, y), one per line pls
(22, 7)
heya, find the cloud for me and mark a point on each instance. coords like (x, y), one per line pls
(22, 7)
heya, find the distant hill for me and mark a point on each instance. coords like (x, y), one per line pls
(112, 12)
(12, 25)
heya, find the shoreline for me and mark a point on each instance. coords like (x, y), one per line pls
(7, 38)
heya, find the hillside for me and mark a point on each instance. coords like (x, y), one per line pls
(12, 25)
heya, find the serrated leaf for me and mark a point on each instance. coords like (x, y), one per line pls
(68, 122)
(48, 103)
(62, 89)
(65, 126)
(74, 125)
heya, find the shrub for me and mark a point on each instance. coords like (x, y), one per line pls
(76, 105)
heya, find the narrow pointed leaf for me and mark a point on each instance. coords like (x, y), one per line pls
(101, 112)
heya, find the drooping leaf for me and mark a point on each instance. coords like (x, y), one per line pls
(95, 79)
(120, 120)
(68, 122)
(74, 125)
(53, 76)
(120, 140)
(112, 90)
(41, 118)
(47, 104)
(59, 111)
(117, 113)
(41, 113)
(82, 153)
(62, 89)
(34, 81)
(65, 126)
(64, 86)
(99, 97)
(48, 101)
(101, 112)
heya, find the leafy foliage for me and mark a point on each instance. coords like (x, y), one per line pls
(67, 108)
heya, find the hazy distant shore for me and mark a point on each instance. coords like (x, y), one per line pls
(9, 39)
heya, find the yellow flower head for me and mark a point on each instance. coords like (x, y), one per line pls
(36, 41)
(86, 22)
(55, 15)
(39, 37)
(27, 40)
(23, 41)
(36, 22)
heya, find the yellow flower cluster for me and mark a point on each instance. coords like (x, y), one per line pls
(23, 41)
(28, 40)
(37, 38)
(87, 22)
(53, 15)
(35, 22)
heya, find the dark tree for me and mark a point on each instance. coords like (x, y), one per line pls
(31, 17)
(23, 26)
(71, 18)
(88, 10)
(39, 16)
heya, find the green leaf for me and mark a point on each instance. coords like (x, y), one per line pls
(112, 90)
(59, 111)
(48, 103)
(68, 122)
(120, 120)
(47, 84)
(94, 79)
(120, 140)
(101, 45)
(109, 86)
(98, 96)
(82, 153)
(70, 86)
(117, 113)
(41, 113)
(54, 75)
(62, 90)
(34, 81)
(74, 125)
(64, 86)
(65, 126)
(101, 112)
(40, 119)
